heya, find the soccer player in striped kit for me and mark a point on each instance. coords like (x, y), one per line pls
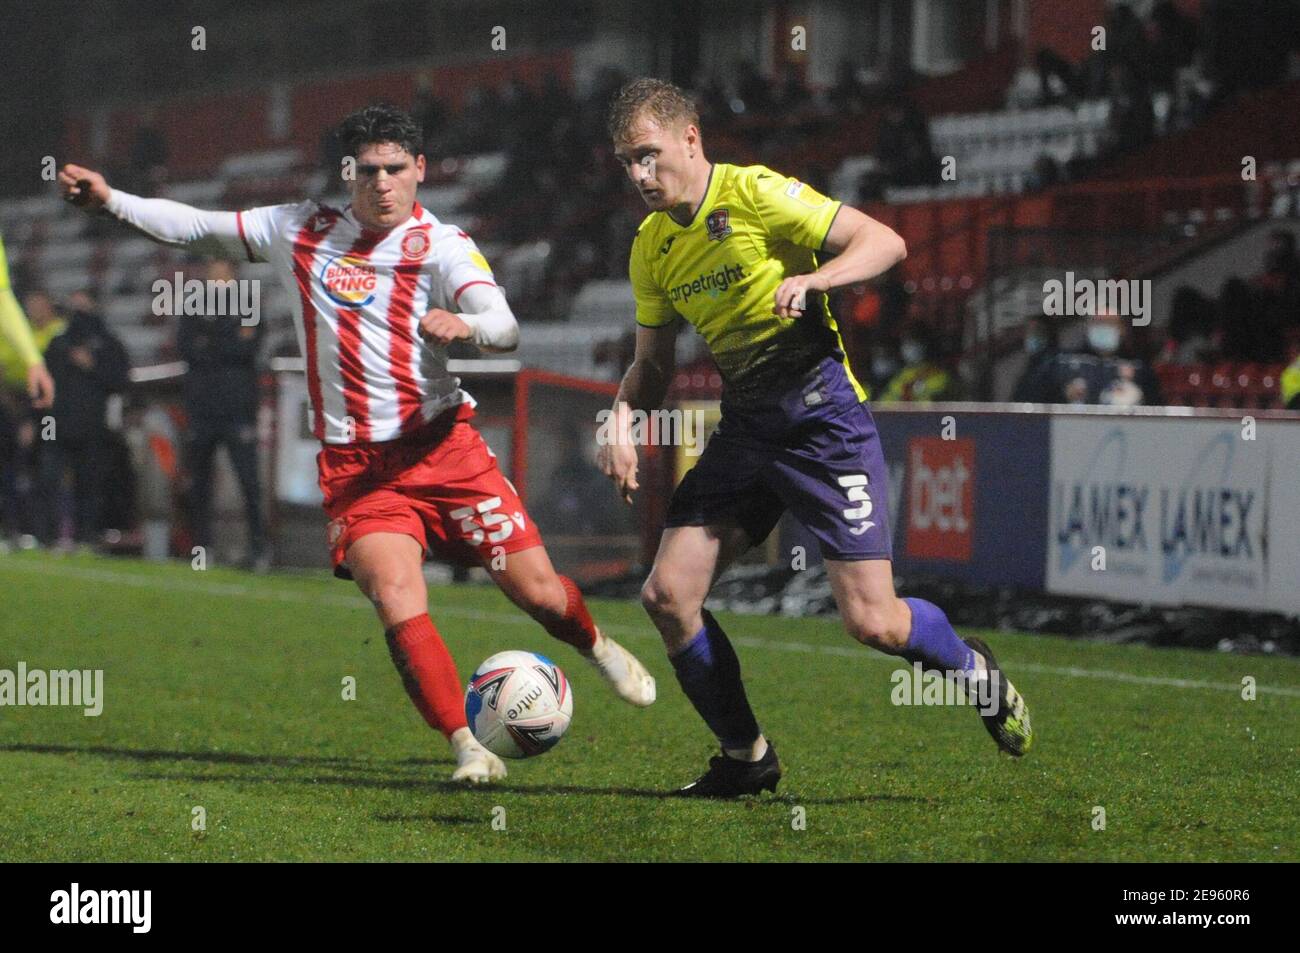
(380, 287)
(733, 250)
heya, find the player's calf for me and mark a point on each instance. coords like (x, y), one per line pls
(556, 602)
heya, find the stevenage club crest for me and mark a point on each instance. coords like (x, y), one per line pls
(718, 224)
(415, 243)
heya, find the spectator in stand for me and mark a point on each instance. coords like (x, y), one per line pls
(89, 364)
(903, 146)
(711, 99)
(791, 95)
(332, 153)
(1041, 345)
(1174, 42)
(1046, 172)
(480, 122)
(18, 424)
(1126, 39)
(869, 317)
(149, 155)
(1058, 80)
(1132, 120)
(1279, 283)
(1096, 373)
(220, 393)
(1250, 329)
(923, 376)
(1248, 43)
(1193, 329)
(882, 364)
(431, 113)
(1291, 385)
(753, 90)
(554, 102)
(848, 97)
(520, 118)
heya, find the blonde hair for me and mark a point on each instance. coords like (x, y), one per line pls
(667, 105)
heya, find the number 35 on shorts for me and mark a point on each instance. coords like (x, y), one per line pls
(493, 526)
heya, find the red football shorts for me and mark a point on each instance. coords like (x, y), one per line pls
(439, 485)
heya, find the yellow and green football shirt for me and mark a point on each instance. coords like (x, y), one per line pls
(14, 328)
(754, 229)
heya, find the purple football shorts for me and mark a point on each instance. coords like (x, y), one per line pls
(811, 448)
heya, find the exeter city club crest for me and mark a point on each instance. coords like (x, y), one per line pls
(718, 224)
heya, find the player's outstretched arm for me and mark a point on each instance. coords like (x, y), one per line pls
(863, 248)
(164, 221)
(644, 387)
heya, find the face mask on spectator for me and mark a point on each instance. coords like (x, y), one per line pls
(883, 367)
(1103, 338)
(913, 352)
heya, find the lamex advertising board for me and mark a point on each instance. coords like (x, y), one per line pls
(1167, 511)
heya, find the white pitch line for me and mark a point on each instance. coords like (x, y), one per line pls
(358, 601)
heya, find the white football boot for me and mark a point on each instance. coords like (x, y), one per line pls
(474, 763)
(625, 674)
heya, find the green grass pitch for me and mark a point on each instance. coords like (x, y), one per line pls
(224, 691)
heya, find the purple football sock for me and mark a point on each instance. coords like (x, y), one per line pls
(932, 641)
(709, 673)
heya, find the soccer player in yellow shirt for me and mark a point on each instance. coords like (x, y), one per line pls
(734, 250)
(15, 329)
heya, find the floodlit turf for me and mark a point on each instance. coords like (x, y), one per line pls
(224, 691)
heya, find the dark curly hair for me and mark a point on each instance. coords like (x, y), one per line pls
(380, 122)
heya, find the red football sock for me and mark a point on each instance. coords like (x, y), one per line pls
(575, 626)
(428, 672)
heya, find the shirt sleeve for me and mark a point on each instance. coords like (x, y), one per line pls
(177, 224)
(260, 228)
(653, 307)
(792, 210)
(461, 265)
(13, 323)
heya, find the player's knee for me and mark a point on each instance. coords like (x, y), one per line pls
(659, 600)
(393, 593)
(877, 626)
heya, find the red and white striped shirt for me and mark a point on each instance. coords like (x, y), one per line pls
(358, 296)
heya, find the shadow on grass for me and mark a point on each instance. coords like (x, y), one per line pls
(218, 757)
(380, 775)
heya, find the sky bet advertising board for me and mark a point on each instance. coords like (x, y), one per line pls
(966, 494)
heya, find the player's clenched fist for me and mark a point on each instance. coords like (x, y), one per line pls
(618, 462)
(443, 327)
(791, 297)
(83, 187)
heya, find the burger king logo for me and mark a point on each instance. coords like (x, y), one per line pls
(349, 280)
